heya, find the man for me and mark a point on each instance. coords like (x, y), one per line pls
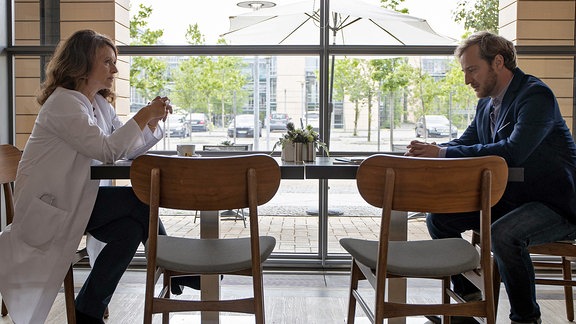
(517, 118)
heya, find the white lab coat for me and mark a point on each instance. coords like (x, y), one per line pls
(54, 196)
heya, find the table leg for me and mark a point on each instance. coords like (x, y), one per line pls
(210, 228)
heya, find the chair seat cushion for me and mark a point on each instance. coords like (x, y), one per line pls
(428, 258)
(203, 256)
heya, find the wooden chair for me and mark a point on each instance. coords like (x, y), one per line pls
(566, 251)
(205, 184)
(9, 159)
(424, 185)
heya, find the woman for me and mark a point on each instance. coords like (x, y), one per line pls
(55, 200)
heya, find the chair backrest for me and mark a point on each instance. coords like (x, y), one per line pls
(431, 184)
(202, 183)
(9, 159)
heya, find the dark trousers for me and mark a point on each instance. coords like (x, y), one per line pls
(512, 234)
(120, 220)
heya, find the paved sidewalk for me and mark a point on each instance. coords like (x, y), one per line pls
(293, 233)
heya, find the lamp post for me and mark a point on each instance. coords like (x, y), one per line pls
(257, 5)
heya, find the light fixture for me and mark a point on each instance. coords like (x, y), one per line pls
(256, 5)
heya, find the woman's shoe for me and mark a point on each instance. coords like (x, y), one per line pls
(177, 284)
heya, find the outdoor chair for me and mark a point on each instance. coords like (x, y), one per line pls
(424, 185)
(205, 184)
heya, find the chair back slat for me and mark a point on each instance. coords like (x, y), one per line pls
(431, 185)
(205, 183)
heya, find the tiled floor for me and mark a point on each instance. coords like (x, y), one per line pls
(307, 298)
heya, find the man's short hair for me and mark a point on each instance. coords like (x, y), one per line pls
(490, 45)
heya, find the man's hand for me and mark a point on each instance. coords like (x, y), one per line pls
(422, 149)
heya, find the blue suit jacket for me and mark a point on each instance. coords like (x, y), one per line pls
(531, 134)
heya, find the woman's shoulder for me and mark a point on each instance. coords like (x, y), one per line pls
(66, 96)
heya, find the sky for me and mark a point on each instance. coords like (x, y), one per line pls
(174, 16)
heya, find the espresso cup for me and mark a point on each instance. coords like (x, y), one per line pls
(185, 149)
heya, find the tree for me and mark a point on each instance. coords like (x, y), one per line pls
(203, 83)
(393, 75)
(462, 96)
(147, 74)
(347, 77)
(477, 15)
(393, 5)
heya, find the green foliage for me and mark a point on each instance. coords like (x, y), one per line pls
(477, 15)
(203, 84)
(304, 135)
(147, 74)
(194, 36)
(393, 5)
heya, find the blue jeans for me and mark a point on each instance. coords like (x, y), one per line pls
(512, 233)
(120, 219)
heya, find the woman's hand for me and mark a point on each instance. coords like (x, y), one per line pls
(157, 110)
(161, 108)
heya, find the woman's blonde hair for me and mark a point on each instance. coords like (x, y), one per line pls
(72, 61)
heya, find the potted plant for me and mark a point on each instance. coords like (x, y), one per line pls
(299, 144)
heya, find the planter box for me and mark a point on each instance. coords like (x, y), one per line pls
(298, 152)
(288, 152)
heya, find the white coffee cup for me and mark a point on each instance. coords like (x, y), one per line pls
(185, 149)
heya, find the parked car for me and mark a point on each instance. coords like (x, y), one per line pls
(244, 126)
(177, 125)
(436, 126)
(278, 121)
(198, 122)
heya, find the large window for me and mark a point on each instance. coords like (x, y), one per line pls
(367, 86)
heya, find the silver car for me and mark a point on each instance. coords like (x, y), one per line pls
(436, 126)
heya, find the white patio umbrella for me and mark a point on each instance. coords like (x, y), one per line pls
(352, 22)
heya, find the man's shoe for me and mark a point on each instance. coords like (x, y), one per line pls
(177, 284)
(82, 318)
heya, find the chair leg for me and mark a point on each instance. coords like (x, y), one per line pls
(4, 309)
(258, 293)
(354, 277)
(243, 217)
(69, 296)
(568, 293)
